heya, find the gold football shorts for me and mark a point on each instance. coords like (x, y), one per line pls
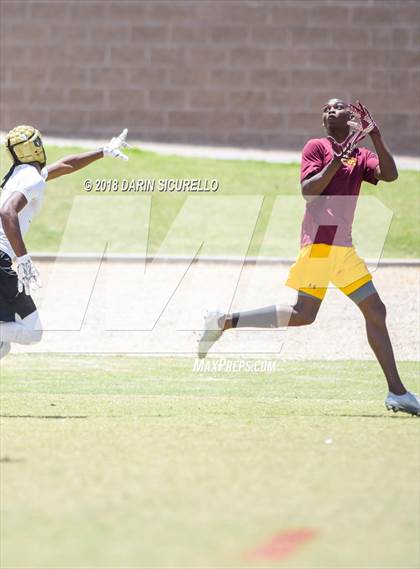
(318, 265)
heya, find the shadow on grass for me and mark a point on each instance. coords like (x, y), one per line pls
(359, 415)
(43, 416)
(347, 415)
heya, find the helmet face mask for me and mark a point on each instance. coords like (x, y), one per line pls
(24, 145)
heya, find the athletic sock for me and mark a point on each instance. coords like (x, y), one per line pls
(260, 318)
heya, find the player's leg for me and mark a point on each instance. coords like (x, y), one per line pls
(27, 330)
(7, 315)
(302, 313)
(5, 348)
(353, 278)
(309, 275)
(374, 311)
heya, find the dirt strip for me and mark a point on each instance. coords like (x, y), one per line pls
(116, 315)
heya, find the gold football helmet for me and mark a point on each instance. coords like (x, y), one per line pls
(24, 144)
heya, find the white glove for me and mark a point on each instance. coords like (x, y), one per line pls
(28, 274)
(114, 145)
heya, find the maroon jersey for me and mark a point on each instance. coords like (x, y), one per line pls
(329, 217)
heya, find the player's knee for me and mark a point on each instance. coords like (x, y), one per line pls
(303, 317)
(32, 333)
(36, 336)
(30, 337)
(308, 318)
(377, 312)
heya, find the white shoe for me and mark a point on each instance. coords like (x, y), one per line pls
(212, 332)
(407, 403)
(5, 348)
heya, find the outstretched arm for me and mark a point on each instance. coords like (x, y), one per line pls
(75, 162)
(363, 121)
(70, 164)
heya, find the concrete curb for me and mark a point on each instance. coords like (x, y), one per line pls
(214, 152)
(136, 258)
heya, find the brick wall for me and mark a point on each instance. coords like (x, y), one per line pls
(249, 73)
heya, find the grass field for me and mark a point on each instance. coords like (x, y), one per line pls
(235, 178)
(126, 463)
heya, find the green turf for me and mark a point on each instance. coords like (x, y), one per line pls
(235, 178)
(120, 462)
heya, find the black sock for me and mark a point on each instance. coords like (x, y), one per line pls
(261, 318)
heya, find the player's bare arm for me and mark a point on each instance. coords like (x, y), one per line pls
(72, 163)
(9, 215)
(362, 119)
(314, 185)
(387, 169)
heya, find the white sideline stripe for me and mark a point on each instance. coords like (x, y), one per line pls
(216, 152)
(133, 257)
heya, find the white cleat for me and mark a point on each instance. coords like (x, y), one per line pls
(5, 348)
(211, 333)
(407, 403)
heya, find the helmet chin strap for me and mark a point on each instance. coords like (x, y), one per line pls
(16, 160)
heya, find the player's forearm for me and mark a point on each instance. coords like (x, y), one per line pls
(70, 164)
(10, 223)
(387, 165)
(315, 185)
(79, 161)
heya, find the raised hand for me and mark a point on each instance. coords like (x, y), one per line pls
(114, 145)
(362, 120)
